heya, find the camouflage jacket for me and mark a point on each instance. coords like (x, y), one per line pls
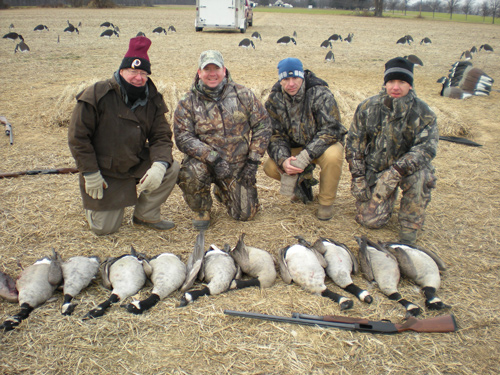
(236, 126)
(388, 131)
(309, 119)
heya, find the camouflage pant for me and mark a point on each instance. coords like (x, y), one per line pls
(195, 180)
(416, 195)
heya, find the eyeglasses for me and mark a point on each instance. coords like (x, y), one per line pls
(134, 72)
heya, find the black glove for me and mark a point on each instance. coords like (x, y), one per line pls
(247, 176)
(221, 168)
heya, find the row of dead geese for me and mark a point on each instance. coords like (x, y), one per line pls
(227, 269)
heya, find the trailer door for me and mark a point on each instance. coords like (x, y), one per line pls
(217, 13)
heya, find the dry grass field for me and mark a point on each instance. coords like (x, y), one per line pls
(38, 213)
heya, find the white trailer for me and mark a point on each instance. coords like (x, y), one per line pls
(223, 14)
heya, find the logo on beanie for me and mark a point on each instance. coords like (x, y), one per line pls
(136, 63)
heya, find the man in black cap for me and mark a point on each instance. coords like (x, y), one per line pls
(122, 142)
(390, 144)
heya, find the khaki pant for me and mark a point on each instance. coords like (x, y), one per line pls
(147, 209)
(330, 163)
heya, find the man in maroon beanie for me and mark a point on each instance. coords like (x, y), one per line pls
(122, 145)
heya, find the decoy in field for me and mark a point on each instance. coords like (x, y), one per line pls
(69, 24)
(172, 29)
(21, 47)
(254, 262)
(246, 43)
(379, 265)
(305, 266)
(140, 33)
(117, 29)
(404, 40)
(330, 57)
(473, 50)
(41, 28)
(286, 40)
(486, 47)
(11, 26)
(409, 38)
(467, 55)
(80, 24)
(256, 35)
(349, 38)
(426, 41)
(326, 44)
(71, 29)
(35, 286)
(466, 77)
(414, 59)
(453, 92)
(168, 275)
(13, 36)
(125, 275)
(78, 272)
(341, 263)
(294, 34)
(159, 30)
(423, 267)
(8, 289)
(335, 38)
(107, 24)
(109, 33)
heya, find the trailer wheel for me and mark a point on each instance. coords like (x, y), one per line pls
(198, 29)
(250, 23)
(244, 28)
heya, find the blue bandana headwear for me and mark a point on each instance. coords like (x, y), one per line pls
(290, 67)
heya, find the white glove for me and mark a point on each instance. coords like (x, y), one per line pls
(95, 185)
(153, 177)
(302, 160)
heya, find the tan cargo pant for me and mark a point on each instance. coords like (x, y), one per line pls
(330, 163)
(148, 206)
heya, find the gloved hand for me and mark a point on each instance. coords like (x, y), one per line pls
(221, 168)
(95, 185)
(302, 160)
(153, 177)
(386, 184)
(247, 176)
(360, 189)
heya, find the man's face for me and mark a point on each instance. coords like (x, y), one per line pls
(211, 75)
(136, 77)
(397, 89)
(291, 85)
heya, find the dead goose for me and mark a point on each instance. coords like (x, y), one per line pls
(256, 263)
(168, 274)
(304, 265)
(36, 285)
(379, 265)
(422, 266)
(78, 272)
(341, 263)
(8, 289)
(125, 275)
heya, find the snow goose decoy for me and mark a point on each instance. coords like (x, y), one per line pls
(425, 41)
(35, 285)
(341, 263)
(168, 275)
(422, 266)
(335, 38)
(8, 289)
(256, 35)
(125, 275)
(41, 28)
(78, 272)
(246, 43)
(486, 47)
(414, 59)
(380, 266)
(159, 30)
(109, 33)
(330, 57)
(304, 265)
(172, 29)
(326, 43)
(13, 36)
(22, 47)
(285, 40)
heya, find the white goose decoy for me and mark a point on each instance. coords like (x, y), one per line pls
(125, 275)
(254, 262)
(422, 266)
(8, 289)
(305, 266)
(35, 285)
(168, 275)
(78, 272)
(379, 265)
(341, 264)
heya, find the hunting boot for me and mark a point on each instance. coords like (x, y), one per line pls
(408, 236)
(325, 212)
(201, 220)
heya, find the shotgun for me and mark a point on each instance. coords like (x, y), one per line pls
(444, 323)
(39, 171)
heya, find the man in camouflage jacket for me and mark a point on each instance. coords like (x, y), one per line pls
(223, 130)
(391, 143)
(306, 131)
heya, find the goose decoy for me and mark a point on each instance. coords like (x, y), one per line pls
(22, 47)
(486, 47)
(168, 275)
(78, 272)
(256, 35)
(286, 40)
(349, 38)
(330, 57)
(468, 78)
(35, 285)
(379, 265)
(426, 41)
(453, 92)
(294, 34)
(404, 40)
(11, 26)
(341, 263)
(172, 29)
(107, 24)
(41, 28)
(414, 59)
(109, 33)
(467, 55)
(326, 43)
(423, 267)
(254, 262)
(71, 29)
(246, 43)
(125, 275)
(304, 265)
(13, 36)
(8, 289)
(409, 38)
(140, 33)
(473, 49)
(70, 24)
(159, 30)
(335, 38)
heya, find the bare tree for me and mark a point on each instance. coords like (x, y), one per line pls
(467, 7)
(405, 5)
(379, 7)
(494, 8)
(485, 9)
(452, 5)
(392, 5)
(435, 6)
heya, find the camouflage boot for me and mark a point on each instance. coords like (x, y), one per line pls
(201, 220)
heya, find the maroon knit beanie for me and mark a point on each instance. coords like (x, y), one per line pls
(137, 54)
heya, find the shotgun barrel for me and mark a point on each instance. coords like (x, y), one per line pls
(39, 171)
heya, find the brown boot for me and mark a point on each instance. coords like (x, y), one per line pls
(408, 236)
(201, 220)
(325, 212)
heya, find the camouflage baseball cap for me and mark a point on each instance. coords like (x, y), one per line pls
(211, 57)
